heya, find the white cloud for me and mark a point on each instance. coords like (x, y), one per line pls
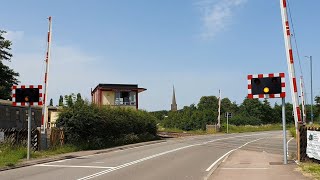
(216, 15)
(14, 35)
(72, 69)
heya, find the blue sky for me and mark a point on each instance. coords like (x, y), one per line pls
(200, 46)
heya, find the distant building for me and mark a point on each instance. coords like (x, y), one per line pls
(174, 106)
(53, 115)
(123, 95)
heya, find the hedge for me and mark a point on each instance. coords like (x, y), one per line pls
(93, 127)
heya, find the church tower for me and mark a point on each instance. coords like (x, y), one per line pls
(174, 106)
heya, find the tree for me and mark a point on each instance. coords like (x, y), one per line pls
(268, 114)
(251, 107)
(317, 109)
(8, 77)
(51, 102)
(61, 101)
(70, 99)
(317, 100)
(228, 106)
(5, 47)
(208, 102)
(79, 99)
(278, 113)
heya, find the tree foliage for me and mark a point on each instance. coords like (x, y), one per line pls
(249, 112)
(70, 100)
(5, 47)
(8, 77)
(61, 100)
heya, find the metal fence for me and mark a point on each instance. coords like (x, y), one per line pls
(19, 137)
(56, 137)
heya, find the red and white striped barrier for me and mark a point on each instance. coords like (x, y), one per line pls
(14, 103)
(290, 62)
(44, 113)
(271, 75)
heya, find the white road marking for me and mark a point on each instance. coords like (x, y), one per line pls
(132, 163)
(244, 168)
(69, 166)
(69, 159)
(288, 146)
(100, 153)
(99, 162)
(163, 153)
(214, 163)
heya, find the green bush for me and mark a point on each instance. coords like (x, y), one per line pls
(91, 127)
(244, 120)
(292, 131)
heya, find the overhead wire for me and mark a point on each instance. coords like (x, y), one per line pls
(294, 37)
(297, 50)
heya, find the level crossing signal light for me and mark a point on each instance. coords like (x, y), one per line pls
(266, 85)
(26, 94)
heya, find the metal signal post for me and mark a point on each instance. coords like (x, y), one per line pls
(270, 86)
(29, 131)
(285, 148)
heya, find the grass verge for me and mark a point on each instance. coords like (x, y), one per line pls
(292, 131)
(12, 155)
(249, 128)
(311, 169)
(233, 129)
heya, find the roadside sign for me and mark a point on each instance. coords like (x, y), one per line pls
(228, 114)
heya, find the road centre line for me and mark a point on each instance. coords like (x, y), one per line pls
(163, 153)
(214, 163)
(70, 166)
(59, 161)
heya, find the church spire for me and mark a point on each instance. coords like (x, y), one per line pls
(174, 103)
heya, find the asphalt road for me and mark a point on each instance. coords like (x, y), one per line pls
(182, 158)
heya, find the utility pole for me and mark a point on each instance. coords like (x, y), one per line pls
(310, 57)
(219, 111)
(291, 72)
